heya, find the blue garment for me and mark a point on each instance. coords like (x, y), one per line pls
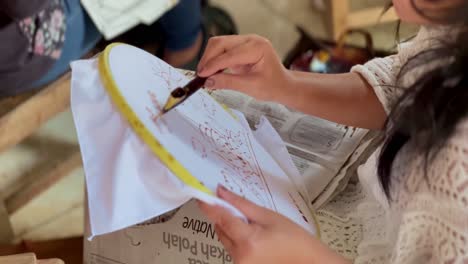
(182, 24)
(80, 37)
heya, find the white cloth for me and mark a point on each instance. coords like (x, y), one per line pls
(126, 184)
(427, 220)
(121, 171)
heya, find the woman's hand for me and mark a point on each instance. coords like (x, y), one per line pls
(267, 238)
(253, 67)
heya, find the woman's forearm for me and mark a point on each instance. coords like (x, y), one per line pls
(342, 98)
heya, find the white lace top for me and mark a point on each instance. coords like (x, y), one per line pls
(427, 221)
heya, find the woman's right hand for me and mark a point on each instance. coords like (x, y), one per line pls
(255, 69)
(252, 65)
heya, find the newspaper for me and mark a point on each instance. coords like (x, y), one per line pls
(319, 148)
(347, 171)
(114, 17)
(322, 151)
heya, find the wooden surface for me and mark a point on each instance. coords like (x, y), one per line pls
(44, 179)
(50, 261)
(370, 16)
(339, 11)
(10, 103)
(341, 17)
(51, 152)
(21, 116)
(6, 230)
(70, 250)
(27, 258)
(24, 114)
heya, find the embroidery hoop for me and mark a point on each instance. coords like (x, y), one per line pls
(139, 128)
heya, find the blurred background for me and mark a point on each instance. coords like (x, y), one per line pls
(58, 212)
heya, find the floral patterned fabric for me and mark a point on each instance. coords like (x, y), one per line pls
(45, 31)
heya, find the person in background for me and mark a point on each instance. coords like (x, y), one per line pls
(414, 205)
(39, 39)
(183, 38)
(186, 29)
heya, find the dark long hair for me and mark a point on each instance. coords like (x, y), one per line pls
(429, 110)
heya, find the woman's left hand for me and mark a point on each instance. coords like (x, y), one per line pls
(267, 238)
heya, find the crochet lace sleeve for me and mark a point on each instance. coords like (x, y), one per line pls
(434, 221)
(381, 74)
